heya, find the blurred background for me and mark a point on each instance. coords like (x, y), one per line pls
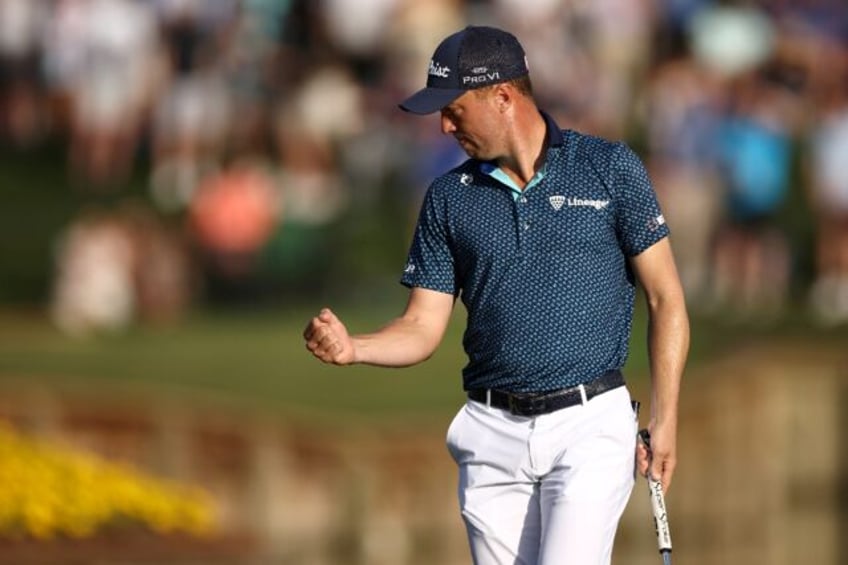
(185, 183)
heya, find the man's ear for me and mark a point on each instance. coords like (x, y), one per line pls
(504, 96)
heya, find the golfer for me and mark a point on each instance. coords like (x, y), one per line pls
(543, 234)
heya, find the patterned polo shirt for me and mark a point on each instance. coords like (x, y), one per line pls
(543, 273)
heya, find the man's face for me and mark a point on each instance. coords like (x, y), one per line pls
(474, 120)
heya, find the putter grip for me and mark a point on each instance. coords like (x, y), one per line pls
(658, 505)
(660, 516)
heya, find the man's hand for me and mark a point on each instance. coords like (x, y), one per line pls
(327, 338)
(661, 460)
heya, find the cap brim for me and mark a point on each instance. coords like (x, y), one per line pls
(429, 100)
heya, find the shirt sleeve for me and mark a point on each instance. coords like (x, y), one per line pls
(430, 262)
(640, 221)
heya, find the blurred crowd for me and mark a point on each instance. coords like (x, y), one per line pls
(260, 126)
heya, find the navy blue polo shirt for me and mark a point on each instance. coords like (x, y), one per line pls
(543, 273)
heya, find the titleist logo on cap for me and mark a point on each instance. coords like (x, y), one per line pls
(438, 70)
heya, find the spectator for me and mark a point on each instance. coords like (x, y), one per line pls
(163, 273)
(95, 265)
(110, 83)
(828, 181)
(682, 122)
(231, 218)
(22, 25)
(751, 268)
(189, 128)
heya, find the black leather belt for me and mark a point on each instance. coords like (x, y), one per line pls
(534, 404)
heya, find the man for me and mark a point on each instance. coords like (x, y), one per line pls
(542, 234)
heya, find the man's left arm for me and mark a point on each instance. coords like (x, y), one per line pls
(668, 346)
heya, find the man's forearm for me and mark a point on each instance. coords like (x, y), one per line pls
(668, 345)
(400, 343)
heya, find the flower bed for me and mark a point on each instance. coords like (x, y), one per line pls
(48, 491)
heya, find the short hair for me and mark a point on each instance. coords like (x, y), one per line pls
(521, 84)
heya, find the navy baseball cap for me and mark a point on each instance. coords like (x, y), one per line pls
(475, 57)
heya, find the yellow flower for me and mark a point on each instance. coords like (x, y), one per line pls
(48, 491)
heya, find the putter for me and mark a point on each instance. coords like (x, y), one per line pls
(658, 507)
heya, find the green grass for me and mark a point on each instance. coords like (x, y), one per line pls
(257, 360)
(254, 359)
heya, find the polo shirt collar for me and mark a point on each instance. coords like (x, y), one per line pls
(555, 138)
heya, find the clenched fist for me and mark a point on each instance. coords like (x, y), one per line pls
(327, 338)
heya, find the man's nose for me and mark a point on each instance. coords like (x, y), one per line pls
(447, 125)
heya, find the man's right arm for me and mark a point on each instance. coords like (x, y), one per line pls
(406, 340)
(668, 346)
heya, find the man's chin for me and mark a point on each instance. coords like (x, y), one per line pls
(474, 152)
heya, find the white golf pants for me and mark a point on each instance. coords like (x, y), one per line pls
(545, 490)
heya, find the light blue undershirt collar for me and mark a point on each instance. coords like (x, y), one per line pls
(499, 175)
